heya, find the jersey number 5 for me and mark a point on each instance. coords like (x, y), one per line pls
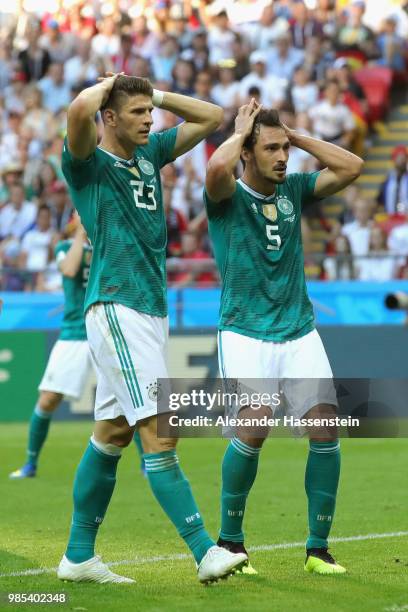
(138, 193)
(275, 238)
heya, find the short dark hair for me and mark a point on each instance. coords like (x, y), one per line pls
(43, 207)
(268, 117)
(124, 87)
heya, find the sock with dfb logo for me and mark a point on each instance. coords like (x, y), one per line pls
(172, 491)
(239, 469)
(93, 487)
(321, 482)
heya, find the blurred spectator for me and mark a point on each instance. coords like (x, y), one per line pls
(284, 58)
(6, 63)
(354, 35)
(299, 160)
(392, 46)
(303, 26)
(351, 194)
(178, 27)
(14, 93)
(36, 245)
(83, 68)
(393, 194)
(176, 222)
(264, 33)
(220, 38)
(349, 87)
(202, 86)
(199, 49)
(380, 266)
(12, 174)
(318, 57)
(60, 205)
(358, 231)
(106, 42)
(191, 250)
(226, 91)
(146, 42)
(124, 60)
(56, 92)
(240, 54)
(166, 58)
(340, 265)
(34, 59)
(60, 45)
(332, 121)
(304, 93)
(272, 88)
(183, 77)
(38, 120)
(398, 240)
(18, 215)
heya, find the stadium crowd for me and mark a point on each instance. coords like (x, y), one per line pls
(299, 57)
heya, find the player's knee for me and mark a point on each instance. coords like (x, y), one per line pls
(117, 432)
(49, 400)
(324, 432)
(256, 431)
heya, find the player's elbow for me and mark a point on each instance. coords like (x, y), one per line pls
(356, 168)
(217, 117)
(67, 271)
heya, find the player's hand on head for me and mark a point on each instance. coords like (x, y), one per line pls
(108, 81)
(246, 117)
(289, 133)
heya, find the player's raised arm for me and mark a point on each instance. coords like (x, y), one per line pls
(70, 263)
(81, 131)
(342, 167)
(200, 118)
(220, 180)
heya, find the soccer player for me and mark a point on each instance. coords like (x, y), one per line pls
(116, 189)
(266, 328)
(69, 364)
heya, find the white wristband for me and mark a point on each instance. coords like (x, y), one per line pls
(157, 97)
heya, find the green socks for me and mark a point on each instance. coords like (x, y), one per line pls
(39, 426)
(93, 487)
(321, 482)
(172, 491)
(239, 470)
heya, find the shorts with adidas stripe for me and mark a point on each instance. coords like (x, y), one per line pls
(129, 353)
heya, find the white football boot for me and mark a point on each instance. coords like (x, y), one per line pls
(219, 563)
(92, 570)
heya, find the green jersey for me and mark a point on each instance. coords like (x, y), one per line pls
(120, 205)
(73, 323)
(258, 249)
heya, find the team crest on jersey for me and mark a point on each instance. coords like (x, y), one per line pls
(270, 212)
(146, 166)
(285, 206)
(154, 392)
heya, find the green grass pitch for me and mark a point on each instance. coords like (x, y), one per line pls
(373, 499)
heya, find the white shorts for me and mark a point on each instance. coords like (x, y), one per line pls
(269, 367)
(67, 369)
(129, 353)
